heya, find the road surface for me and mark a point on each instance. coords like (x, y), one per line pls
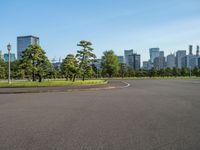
(147, 115)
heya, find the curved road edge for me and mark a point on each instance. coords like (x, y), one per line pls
(112, 84)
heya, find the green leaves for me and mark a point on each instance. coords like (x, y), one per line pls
(2, 69)
(35, 63)
(69, 67)
(85, 57)
(110, 63)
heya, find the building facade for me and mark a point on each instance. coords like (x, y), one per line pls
(159, 63)
(161, 54)
(190, 50)
(120, 59)
(171, 61)
(23, 42)
(199, 62)
(154, 52)
(127, 53)
(179, 58)
(145, 65)
(12, 57)
(134, 61)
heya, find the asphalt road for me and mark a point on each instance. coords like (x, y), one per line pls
(148, 115)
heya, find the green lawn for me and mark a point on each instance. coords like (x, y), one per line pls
(50, 83)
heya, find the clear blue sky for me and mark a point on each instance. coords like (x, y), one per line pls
(108, 24)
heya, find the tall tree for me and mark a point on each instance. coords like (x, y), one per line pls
(69, 67)
(16, 71)
(35, 63)
(175, 72)
(110, 63)
(196, 71)
(2, 69)
(85, 57)
(122, 69)
(130, 72)
(153, 72)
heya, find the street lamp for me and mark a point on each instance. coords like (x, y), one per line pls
(9, 49)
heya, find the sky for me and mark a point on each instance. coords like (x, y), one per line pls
(170, 25)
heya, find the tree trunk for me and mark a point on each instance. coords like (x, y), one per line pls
(40, 78)
(66, 78)
(83, 77)
(74, 78)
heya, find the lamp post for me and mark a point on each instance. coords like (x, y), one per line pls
(9, 49)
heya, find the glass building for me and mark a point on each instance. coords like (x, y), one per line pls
(134, 61)
(12, 57)
(154, 52)
(171, 61)
(127, 53)
(179, 58)
(23, 42)
(120, 59)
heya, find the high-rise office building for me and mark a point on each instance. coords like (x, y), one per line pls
(120, 59)
(154, 52)
(197, 52)
(145, 65)
(23, 42)
(190, 61)
(199, 62)
(171, 61)
(159, 63)
(134, 61)
(97, 63)
(190, 49)
(179, 58)
(161, 54)
(127, 53)
(12, 57)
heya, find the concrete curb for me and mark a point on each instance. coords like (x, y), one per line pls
(110, 85)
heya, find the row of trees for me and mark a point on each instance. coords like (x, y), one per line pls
(35, 66)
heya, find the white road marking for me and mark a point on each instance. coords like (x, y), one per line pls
(127, 84)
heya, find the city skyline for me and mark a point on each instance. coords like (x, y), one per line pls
(128, 25)
(132, 51)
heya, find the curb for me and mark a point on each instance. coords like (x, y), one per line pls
(109, 86)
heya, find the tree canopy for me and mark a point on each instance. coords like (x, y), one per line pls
(2, 69)
(110, 63)
(85, 57)
(35, 63)
(69, 67)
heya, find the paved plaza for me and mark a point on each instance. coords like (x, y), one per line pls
(147, 115)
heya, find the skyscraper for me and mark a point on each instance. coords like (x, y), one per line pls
(171, 61)
(127, 53)
(134, 61)
(120, 59)
(197, 52)
(161, 54)
(146, 65)
(190, 61)
(159, 63)
(190, 49)
(23, 42)
(154, 52)
(199, 62)
(179, 58)
(12, 57)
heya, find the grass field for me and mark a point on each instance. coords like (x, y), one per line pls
(50, 83)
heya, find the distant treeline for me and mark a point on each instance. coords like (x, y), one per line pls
(35, 66)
